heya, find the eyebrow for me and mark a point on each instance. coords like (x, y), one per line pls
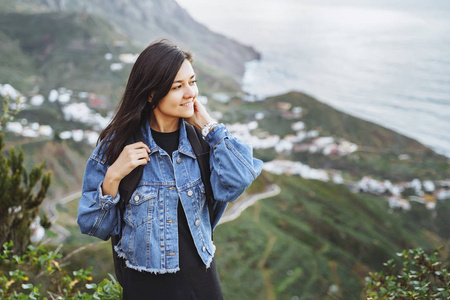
(178, 81)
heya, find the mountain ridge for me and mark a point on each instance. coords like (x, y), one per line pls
(149, 20)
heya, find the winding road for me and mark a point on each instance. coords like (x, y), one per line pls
(242, 204)
(53, 214)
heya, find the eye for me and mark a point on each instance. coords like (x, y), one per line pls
(176, 87)
(192, 82)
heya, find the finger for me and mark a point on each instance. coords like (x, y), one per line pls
(142, 153)
(197, 105)
(140, 145)
(136, 163)
(142, 161)
(136, 154)
(143, 145)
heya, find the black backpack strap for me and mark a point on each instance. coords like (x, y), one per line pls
(130, 182)
(126, 188)
(201, 150)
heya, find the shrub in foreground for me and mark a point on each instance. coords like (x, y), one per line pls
(422, 276)
(40, 274)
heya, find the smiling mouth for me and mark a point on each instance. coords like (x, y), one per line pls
(187, 103)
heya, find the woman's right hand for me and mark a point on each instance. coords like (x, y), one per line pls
(132, 156)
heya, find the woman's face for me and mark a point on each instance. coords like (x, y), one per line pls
(179, 101)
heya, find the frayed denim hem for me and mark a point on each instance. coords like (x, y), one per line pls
(123, 255)
(154, 271)
(209, 261)
(120, 253)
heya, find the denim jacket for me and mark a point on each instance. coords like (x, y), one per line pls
(150, 230)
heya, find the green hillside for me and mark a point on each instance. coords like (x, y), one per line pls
(67, 50)
(312, 239)
(17, 68)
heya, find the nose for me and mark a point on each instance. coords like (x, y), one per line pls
(190, 91)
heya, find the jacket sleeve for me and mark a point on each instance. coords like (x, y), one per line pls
(98, 214)
(233, 167)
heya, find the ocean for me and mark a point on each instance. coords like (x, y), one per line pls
(383, 61)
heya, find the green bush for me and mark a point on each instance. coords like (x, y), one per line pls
(423, 276)
(20, 193)
(40, 273)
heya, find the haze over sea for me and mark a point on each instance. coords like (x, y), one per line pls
(384, 61)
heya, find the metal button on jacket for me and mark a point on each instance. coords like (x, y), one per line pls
(197, 222)
(178, 159)
(190, 193)
(136, 198)
(203, 249)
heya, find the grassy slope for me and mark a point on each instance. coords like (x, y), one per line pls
(18, 69)
(312, 235)
(67, 50)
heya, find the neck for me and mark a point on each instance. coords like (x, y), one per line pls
(166, 125)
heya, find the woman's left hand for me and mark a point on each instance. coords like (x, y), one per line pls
(200, 118)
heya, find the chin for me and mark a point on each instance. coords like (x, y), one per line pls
(189, 115)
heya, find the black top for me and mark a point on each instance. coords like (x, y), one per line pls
(167, 140)
(194, 280)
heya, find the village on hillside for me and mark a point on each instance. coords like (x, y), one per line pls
(82, 108)
(399, 195)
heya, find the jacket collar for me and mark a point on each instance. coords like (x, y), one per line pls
(184, 145)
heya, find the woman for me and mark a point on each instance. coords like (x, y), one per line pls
(166, 233)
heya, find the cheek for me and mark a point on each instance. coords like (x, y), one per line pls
(170, 100)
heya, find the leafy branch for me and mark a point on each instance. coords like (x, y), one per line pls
(40, 269)
(422, 276)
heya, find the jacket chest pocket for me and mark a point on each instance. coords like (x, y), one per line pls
(140, 208)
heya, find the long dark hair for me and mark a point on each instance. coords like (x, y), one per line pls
(152, 75)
